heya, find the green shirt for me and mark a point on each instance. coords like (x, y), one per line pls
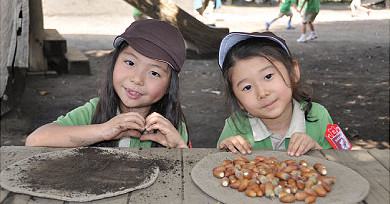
(311, 6)
(137, 12)
(83, 116)
(315, 129)
(285, 7)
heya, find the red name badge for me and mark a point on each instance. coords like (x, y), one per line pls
(336, 137)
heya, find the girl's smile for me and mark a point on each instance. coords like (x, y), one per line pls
(270, 105)
(133, 94)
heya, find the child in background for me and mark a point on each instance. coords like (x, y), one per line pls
(284, 11)
(311, 9)
(139, 104)
(357, 4)
(268, 108)
(138, 15)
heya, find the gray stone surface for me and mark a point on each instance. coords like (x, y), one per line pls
(192, 193)
(168, 186)
(350, 187)
(12, 178)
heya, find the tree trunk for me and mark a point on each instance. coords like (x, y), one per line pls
(205, 38)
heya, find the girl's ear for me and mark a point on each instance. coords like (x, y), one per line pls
(296, 71)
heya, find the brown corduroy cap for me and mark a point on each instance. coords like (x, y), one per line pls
(235, 37)
(155, 39)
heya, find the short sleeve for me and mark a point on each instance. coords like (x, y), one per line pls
(80, 116)
(182, 129)
(326, 120)
(226, 132)
(317, 129)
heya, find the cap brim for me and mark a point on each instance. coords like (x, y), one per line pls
(233, 38)
(118, 41)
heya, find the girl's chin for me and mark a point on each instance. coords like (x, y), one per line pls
(268, 115)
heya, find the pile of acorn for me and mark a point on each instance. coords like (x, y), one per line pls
(288, 180)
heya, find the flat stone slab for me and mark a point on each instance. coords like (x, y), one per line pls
(350, 187)
(80, 174)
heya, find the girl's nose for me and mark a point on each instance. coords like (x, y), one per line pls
(137, 77)
(262, 92)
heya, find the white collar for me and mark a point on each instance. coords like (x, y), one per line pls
(297, 124)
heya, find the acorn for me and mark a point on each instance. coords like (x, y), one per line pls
(250, 193)
(225, 181)
(219, 174)
(301, 195)
(239, 175)
(243, 185)
(269, 190)
(287, 198)
(310, 199)
(310, 191)
(319, 190)
(259, 192)
(227, 161)
(232, 179)
(282, 175)
(236, 184)
(230, 171)
(260, 158)
(330, 180)
(303, 163)
(242, 158)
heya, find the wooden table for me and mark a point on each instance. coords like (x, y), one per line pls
(176, 185)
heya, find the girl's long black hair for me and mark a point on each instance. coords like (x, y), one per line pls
(168, 106)
(271, 51)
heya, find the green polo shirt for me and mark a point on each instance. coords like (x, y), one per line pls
(285, 7)
(315, 129)
(83, 116)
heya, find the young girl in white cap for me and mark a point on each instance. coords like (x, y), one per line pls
(139, 104)
(268, 108)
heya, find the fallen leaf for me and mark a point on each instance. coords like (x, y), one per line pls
(43, 93)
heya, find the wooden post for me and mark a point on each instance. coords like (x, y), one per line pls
(14, 55)
(205, 38)
(387, 4)
(38, 62)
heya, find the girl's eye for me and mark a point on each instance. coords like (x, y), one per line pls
(128, 62)
(247, 87)
(268, 76)
(154, 73)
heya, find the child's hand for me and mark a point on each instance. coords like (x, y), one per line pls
(166, 135)
(125, 124)
(235, 143)
(300, 143)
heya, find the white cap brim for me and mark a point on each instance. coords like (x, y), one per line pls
(233, 38)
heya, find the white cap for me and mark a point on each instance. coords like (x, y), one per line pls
(233, 38)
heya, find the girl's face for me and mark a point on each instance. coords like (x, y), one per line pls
(261, 90)
(139, 81)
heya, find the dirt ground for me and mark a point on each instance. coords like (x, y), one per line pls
(347, 69)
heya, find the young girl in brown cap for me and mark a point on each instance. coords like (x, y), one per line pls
(268, 108)
(139, 104)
